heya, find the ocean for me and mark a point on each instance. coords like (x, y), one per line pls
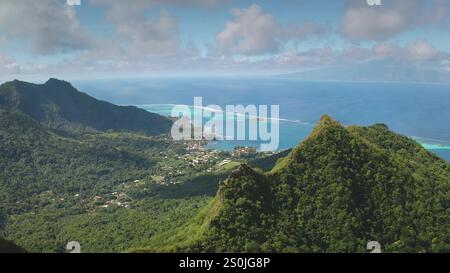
(420, 111)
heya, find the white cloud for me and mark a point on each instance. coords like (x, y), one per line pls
(253, 32)
(148, 42)
(385, 51)
(8, 65)
(305, 30)
(314, 57)
(123, 10)
(4, 60)
(140, 35)
(418, 53)
(140, 42)
(423, 51)
(151, 37)
(49, 26)
(364, 22)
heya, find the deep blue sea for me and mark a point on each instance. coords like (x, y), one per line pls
(420, 111)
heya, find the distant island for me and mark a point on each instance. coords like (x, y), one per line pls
(371, 72)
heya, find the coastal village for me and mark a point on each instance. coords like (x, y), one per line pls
(195, 161)
(175, 166)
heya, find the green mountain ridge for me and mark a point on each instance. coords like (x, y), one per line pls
(58, 105)
(335, 192)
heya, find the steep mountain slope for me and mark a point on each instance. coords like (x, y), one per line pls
(266, 163)
(57, 104)
(338, 190)
(34, 159)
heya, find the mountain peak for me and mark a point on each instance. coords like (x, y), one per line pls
(57, 82)
(243, 170)
(327, 120)
(327, 128)
(15, 82)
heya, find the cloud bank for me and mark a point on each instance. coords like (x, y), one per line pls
(48, 26)
(364, 22)
(253, 32)
(145, 38)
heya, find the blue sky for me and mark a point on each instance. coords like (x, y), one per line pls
(111, 38)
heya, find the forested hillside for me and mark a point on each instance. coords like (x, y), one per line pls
(33, 159)
(339, 189)
(58, 105)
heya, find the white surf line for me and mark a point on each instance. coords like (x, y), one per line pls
(156, 104)
(251, 116)
(431, 139)
(420, 140)
(143, 106)
(427, 143)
